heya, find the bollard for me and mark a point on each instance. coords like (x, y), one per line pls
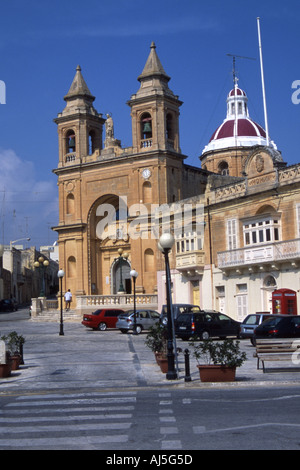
(187, 377)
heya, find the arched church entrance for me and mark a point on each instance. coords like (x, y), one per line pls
(109, 269)
(120, 275)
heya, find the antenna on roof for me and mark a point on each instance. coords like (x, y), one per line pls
(234, 57)
(262, 81)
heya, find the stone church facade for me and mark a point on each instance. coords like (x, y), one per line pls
(101, 181)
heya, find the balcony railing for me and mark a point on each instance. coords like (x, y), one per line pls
(190, 260)
(272, 252)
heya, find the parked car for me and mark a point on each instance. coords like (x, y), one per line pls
(102, 318)
(279, 326)
(144, 320)
(177, 309)
(251, 322)
(8, 305)
(205, 324)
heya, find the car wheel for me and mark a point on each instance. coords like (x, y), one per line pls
(124, 331)
(102, 326)
(205, 335)
(138, 329)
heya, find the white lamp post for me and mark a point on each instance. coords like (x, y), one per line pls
(165, 244)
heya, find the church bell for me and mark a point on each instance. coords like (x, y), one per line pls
(147, 127)
(71, 142)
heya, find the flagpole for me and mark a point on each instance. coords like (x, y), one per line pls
(263, 83)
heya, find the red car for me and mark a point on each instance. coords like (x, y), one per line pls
(102, 319)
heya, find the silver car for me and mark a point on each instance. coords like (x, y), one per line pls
(251, 322)
(144, 320)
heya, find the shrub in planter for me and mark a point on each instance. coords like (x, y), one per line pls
(220, 359)
(14, 343)
(156, 340)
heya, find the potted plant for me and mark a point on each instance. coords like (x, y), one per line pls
(156, 340)
(220, 359)
(14, 344)
(5, 369)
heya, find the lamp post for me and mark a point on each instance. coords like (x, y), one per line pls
(60, 276)
(121, 259)
(165, 244)
(134, 275)
(42, 264)
(15, 241)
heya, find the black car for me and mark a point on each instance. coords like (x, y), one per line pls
(8, 305)
(279, 326)
(205, 324)
(177, 309)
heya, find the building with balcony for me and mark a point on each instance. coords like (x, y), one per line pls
(251, 235)
(237, 244)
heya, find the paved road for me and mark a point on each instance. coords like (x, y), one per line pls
(170, 420)
(103, 390)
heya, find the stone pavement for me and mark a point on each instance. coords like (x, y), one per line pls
(85, 359)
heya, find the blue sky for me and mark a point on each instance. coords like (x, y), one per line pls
(41, 43)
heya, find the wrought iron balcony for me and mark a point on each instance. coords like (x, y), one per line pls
(277, 252)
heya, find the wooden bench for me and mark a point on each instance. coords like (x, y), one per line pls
(280, 349)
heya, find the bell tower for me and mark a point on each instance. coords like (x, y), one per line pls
(79, 124)
(154, 110)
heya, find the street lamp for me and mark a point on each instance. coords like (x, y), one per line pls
(15, 241)
(121, 259)
(134, 275)
(60, 276)
(165, 244)
(42, 264)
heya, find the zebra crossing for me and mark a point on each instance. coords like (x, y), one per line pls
(109, 420)
(67, 421)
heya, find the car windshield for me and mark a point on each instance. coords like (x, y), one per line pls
(251, 320)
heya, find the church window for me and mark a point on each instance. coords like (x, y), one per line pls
(223, 169)
(146, 130)
(169, 127)
(91, 142)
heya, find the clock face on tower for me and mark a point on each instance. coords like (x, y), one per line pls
(146, 173)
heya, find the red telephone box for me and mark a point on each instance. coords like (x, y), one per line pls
(284, 301)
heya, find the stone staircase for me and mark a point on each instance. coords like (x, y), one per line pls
(54, 316)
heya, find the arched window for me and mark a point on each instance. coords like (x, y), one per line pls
(149, 260)
(223, 168)
(91, 142)
(169, 127)
(71, 266)
(70, 142)
(146, 130)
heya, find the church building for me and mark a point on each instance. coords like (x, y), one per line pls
(239, 248)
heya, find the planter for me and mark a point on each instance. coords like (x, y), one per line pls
(15, 361)
(162, 361)
(216, 373)
(5, 370)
